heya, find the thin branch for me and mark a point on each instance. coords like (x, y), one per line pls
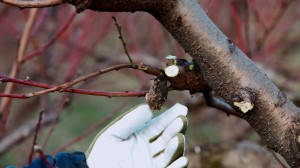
(65, 87)
(79, 91)
(88, 76)
(37, 128)
(274, 23)
(238, 25)
(33, 4)
(122, 39)
(5, 103)
(18, 135)
(65, 100)
(41, 154)
(209, 6)
(51, 41)
(213, 101)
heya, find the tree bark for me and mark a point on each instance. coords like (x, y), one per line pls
(232, 75)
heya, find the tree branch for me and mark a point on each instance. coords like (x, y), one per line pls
(5, 103)
(214, 101)
(32, 4)
(233, 76)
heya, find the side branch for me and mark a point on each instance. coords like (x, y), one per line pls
(32, 4)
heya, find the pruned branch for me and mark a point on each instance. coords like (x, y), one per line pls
(214, 101)
(177, 83)
(33, 4)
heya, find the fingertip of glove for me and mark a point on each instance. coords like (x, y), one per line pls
(144, 109)
(181, 122)
(180, 108)
(183, 161)
(177, 140)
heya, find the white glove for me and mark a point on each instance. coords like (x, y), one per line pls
(135, 140)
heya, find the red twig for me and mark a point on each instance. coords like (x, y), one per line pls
(274, 23)
(51, 41)
(77, 55)
(65, 100)
(35, 137)
(5, 103)
(43, 157)
(79, 91)
(65, 87)
(211, 2)
(238, 25)
(33, 4)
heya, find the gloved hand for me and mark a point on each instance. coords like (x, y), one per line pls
(135, 140)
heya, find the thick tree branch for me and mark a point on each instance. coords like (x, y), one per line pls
(233, 76)
(33, 4)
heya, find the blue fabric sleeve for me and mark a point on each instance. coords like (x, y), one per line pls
(61, 160)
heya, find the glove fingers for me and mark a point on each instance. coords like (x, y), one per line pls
(153, 129)
(182, 162)
(179, 125)
(123, 126)
(174, 150)
(128, 123)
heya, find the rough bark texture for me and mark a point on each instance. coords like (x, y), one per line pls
(224, 67)
(231, 74)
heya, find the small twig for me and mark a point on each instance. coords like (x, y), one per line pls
(274, 23)
(43, 157)
(51, 41)
(217, 103)
(122, 39)
(209, 6)
(81, 91)
(238, 25)
(65, 87)
(5, 103)
(277, 159)
(20, 134)
(88, 76)
(35, 136)
(64, 101)
(32, 4)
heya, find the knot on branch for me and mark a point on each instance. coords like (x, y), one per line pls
(188, 78)
(158, 93)
(243, 100)
(80, 5)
